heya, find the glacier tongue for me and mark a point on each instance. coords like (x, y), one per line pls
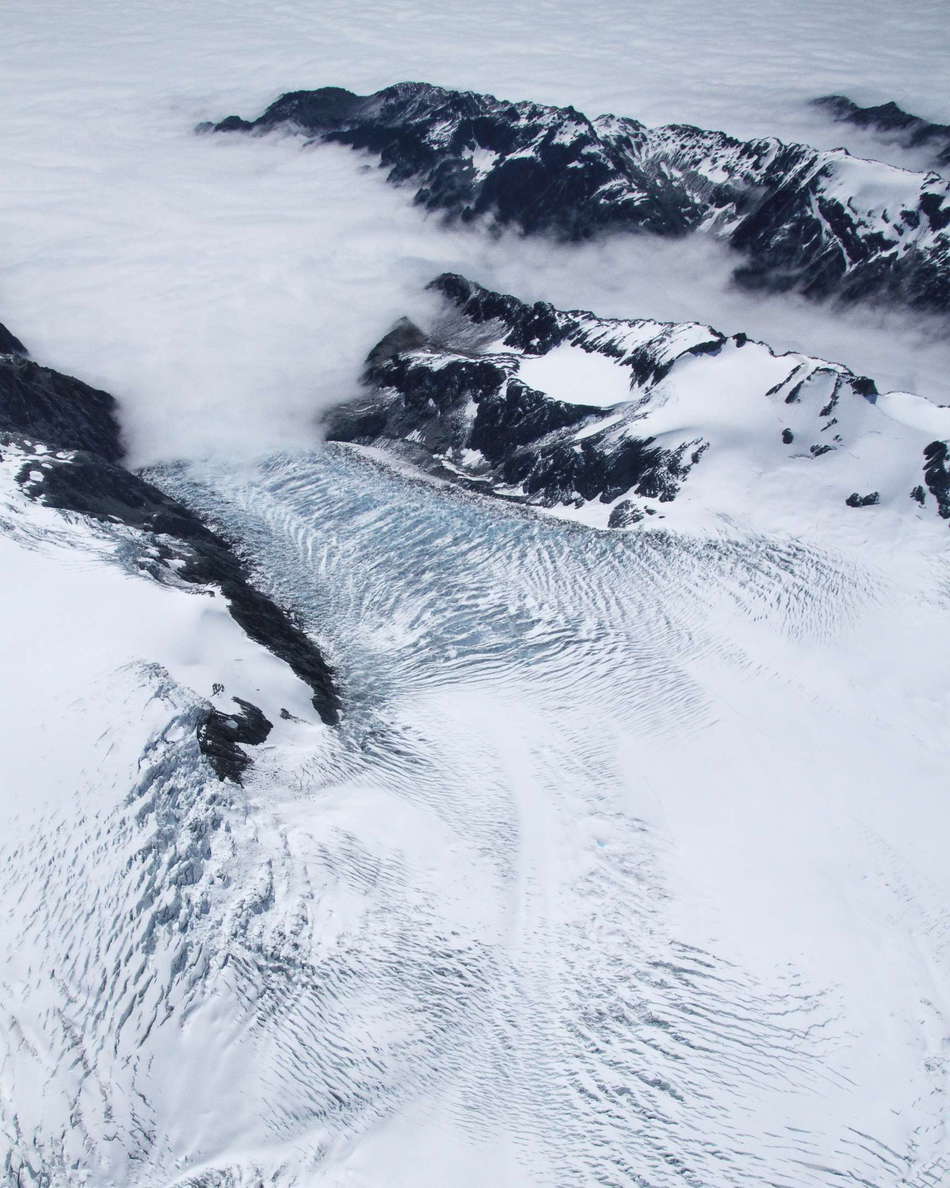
(628, 867)
(622, 864)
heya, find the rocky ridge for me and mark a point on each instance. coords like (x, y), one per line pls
(508, 398)
(892, 123)
(822, 223)
(68, 438)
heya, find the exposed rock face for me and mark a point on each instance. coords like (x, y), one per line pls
(824, 223)
(457, 405)
(220, 736)
(937, 475)
(893, 123)
(187, 550)
(72, 440)
(62, 412)
(567, 410)
(869, 500)
(9, 343)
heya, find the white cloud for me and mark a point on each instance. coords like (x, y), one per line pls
(225, 289)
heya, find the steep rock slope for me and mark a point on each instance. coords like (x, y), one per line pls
(612, 420)
(824, 223)
(62, 440)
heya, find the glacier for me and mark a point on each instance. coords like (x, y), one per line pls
(373, 818)
(625, 862)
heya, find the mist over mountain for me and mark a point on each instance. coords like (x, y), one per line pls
(474, 703)
(821, 223)
(580, 415)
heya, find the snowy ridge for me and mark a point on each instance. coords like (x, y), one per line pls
(893, 124)
(116, 825)
(821, 222)
(509, 399)
(144, 667)
(62, 448)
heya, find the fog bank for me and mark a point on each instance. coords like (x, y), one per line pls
(226, 289)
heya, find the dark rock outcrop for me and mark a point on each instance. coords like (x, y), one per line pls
(9, 343)
(937, 475)
(893, 124)
(459, 403)
(89, 484)
(62, 412)
(221, 734)
(72, 436)
(823, 223)
(464, 414)
(856, 500)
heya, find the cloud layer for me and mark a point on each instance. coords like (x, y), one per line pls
(226, 289)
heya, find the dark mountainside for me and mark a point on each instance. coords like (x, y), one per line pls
(791, 211)
(453, 404)
(72, 435)
(436, 400)
(893, 123)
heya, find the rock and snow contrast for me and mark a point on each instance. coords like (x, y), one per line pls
(62, 449)
(823, 223)
(527, 767)
(141, 672)
(893, 124)
(610, 421)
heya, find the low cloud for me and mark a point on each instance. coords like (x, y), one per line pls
(227, 289)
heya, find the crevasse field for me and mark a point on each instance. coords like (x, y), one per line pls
(628, 862)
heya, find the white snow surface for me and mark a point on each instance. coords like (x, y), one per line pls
(86, 618)
(730, 411)
(576, 376)
(628, 863)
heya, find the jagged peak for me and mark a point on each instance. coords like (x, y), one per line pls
(825, 223)
(611, 419)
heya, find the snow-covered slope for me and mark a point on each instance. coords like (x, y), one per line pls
(123, 734)
(62, 449)
(611, 421)
(121, 849)
(628, 867)
(625, 864)
(822, 222)
(142, 670)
